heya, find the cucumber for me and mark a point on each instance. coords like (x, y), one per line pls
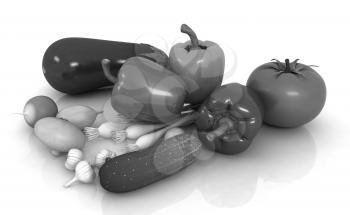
(73, 65)
(135, 170)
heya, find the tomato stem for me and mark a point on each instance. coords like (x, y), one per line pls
(287, 65)
(194, 40)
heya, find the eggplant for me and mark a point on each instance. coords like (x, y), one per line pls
(73, 65)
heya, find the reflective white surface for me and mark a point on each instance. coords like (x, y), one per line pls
(285, 171)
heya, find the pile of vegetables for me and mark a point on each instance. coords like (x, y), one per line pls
(162, 109)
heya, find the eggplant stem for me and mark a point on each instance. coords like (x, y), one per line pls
(106, 66)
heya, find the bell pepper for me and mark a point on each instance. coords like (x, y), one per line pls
(229, 119)
(200, 63)
(146, 91)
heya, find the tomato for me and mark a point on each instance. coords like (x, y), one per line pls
(292, 93)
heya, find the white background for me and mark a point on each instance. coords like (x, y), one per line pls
(294, 171)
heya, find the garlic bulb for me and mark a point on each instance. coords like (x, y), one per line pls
(73, 158)
(83, 173)
(102, 156)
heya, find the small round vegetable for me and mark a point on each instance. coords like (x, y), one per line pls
(59, 134)
(79, 115)
(73, 158)
(37, 108)
(102, 156)
(292, 93)
(83, 173)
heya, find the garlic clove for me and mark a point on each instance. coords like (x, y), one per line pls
(83, 173)
(73, 158)
(102, 156)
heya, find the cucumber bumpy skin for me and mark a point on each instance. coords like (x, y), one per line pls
(135, 170)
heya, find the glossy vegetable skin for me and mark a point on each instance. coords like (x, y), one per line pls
(73, 65)
(146, 91)
(58, 134)
(292, 93)
(37, 108)
(229, 119)
(80, 116)
(135, 170)
(200, 63)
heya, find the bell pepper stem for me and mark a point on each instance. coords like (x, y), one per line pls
(218, 132)
(194, 40)
(224, 124)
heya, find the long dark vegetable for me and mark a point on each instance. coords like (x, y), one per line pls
(73, 65)
(135, 170)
